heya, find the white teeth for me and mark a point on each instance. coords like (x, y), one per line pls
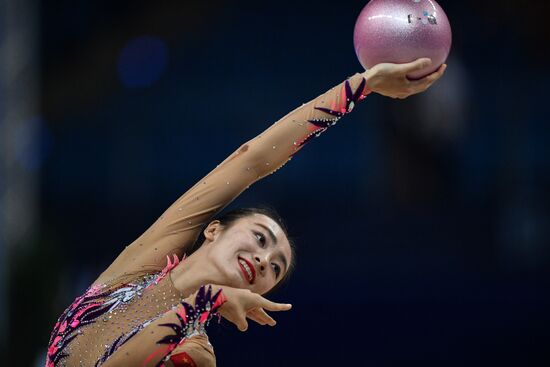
(247, 268)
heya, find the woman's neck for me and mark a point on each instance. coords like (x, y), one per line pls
(191, 273)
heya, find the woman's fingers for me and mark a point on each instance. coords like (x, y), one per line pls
(261, 317)
(242, 303)
(269, 320)
(238, 319)
(257, 319)
(272, 306)
(418, 64)
(257, 316)
(241, 323)
(428, 80)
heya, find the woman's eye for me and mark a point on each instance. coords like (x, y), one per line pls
(277, 270)
(261, 238)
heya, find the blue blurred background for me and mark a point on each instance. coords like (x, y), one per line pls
(422, 225)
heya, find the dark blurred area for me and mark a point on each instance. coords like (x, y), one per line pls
(422, 225)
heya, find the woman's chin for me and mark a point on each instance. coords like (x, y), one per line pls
(232, 280)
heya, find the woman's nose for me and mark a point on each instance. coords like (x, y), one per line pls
(262, 262)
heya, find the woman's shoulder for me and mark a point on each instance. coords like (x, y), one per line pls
(131, 264)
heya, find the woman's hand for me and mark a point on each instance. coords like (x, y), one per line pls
(391, 79)
(242, 303)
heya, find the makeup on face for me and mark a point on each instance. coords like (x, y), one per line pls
(247, 269)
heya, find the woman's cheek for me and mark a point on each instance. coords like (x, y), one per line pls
(263, 286)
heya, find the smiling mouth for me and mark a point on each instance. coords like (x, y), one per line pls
(248, 270)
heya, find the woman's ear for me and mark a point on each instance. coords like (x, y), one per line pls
(213, 230)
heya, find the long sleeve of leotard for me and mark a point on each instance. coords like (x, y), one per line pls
(194, 352)
(177, 228)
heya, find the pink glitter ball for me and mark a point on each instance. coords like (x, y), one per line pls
(401, 31)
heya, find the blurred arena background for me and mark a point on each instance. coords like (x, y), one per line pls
(422, 226)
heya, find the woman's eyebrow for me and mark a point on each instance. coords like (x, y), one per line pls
(269, 231)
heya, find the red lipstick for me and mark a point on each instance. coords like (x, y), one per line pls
(249, 276)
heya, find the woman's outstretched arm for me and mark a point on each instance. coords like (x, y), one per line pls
(177, 228)
(270, 150)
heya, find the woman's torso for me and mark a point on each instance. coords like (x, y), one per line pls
(105, 318)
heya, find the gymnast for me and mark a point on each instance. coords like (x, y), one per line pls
(151, 305)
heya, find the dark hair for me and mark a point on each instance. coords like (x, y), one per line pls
(229, 218)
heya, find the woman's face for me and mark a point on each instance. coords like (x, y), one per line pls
(252, 253)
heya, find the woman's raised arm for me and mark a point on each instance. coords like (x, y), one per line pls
(177, 228)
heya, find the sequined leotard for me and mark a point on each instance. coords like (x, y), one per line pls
(133, 315)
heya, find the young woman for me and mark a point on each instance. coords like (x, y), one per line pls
(149, 308)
